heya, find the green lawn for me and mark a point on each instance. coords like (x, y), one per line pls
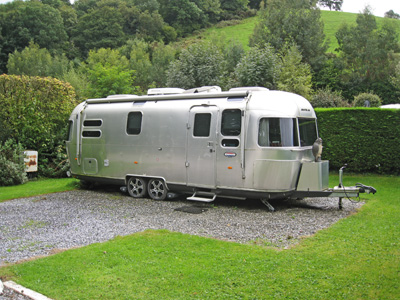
(39, 187)
(242, 32)
(357, 258)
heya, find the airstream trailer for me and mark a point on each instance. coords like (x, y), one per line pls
(244, 143)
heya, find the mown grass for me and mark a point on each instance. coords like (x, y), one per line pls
(38, 187)
(357, 258)
(242, 32)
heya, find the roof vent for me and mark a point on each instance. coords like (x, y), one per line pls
(164, 91)
(204, 89)
(249, 88)
(122, 96)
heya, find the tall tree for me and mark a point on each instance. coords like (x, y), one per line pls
(35, 61)
(22, 22)
(198, 65)
(367, 52)
(293, 21)
(101, 27)
(108, 72)
(392, 15)
(294, 75)
(331, 4)
(259, 67)
(184, 15)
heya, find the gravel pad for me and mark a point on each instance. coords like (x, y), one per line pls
(42, 225)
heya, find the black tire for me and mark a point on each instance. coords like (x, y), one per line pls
(157, 189)
(137, 187)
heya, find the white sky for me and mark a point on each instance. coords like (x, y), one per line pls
(378, 7)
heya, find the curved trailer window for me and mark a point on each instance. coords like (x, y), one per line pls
(308, 131)
(278, 132)
(282, 132)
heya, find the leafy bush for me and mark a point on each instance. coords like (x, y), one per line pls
(361, 100)
(34, 111)
(12, 167)
(367, 139)
(328, 98)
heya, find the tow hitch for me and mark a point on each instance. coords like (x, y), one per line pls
(352, 191)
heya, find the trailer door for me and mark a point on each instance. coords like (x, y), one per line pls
(201, 146)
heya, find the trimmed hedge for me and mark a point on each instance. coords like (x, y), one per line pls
(34, 112)
(367, 139)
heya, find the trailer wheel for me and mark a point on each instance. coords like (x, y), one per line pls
(137, 187)
(157, 189)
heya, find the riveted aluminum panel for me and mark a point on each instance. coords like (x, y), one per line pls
(275, 175)
(314, 176)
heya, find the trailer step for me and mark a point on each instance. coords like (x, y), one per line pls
(197, 197)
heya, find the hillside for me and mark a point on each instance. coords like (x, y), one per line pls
(242, 31)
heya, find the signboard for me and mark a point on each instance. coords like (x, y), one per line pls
(31, 161)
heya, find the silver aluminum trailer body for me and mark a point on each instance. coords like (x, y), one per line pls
(245, 143)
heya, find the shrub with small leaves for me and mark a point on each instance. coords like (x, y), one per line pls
(367, 100)
(34, 111)
(12, 167)
(328, 98)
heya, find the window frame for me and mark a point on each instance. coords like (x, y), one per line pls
(295, 131)
(139, 129)
(223, 130)
(197, 123)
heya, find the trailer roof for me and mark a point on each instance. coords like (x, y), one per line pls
(183, 96)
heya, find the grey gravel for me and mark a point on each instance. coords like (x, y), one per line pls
(43, 225)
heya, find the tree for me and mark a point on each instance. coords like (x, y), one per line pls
(199, 65)
(184, 15)
(22, 22)
(101, 27)
(391, 14)
(368, 54)
(259, 67)
(161, 58)
(294, 75)
(141, 63)
(293, 21)
(331, 4)
(108, 73)
(35, 61)
(233, 8)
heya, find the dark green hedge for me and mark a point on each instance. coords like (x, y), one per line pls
(34, 112)
(367, 139)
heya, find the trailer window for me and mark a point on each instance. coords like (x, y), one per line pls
(70, 128)
(134, 124)
(91, 133)
(202, 123)
(92, 123)
(231, 123)
(278, 132)
(308, 131)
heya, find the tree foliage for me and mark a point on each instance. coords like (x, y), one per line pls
(294, 75)
(199, 65)
(367, 100)
(327, 98)
(108, 73)
(12, 168)
(293, 21)
(392, 15)
(35, 61)
(331, 4)
(259, 67)
(34, 112)
(367, 54)
(23, 22)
